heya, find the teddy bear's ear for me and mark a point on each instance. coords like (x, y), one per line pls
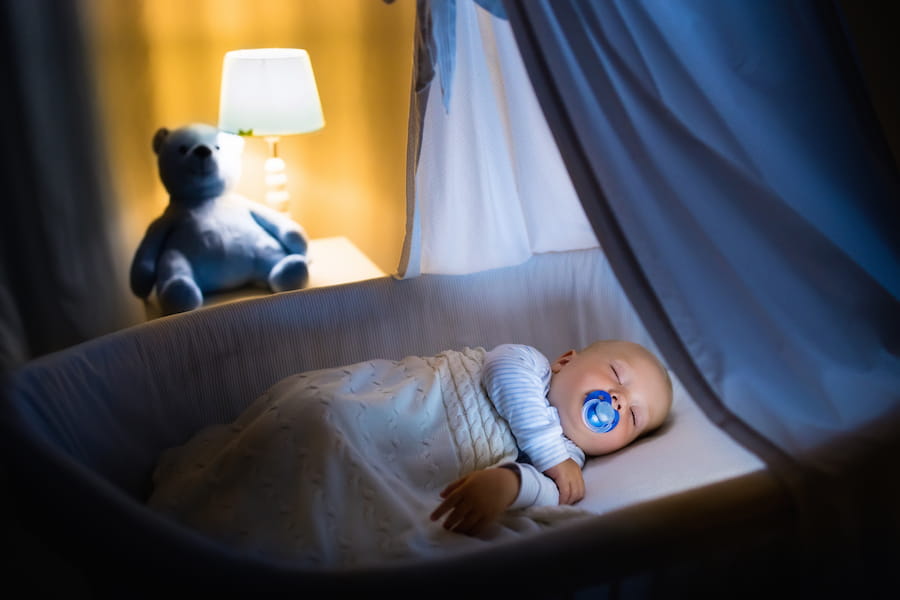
(159, 138)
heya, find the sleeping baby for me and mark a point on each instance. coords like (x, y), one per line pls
(342, 467)
(591, 402)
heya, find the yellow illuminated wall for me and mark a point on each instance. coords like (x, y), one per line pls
(159, 63)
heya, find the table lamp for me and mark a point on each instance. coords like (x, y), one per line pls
(270, 92)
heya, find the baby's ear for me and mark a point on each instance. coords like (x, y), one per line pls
(562, 361)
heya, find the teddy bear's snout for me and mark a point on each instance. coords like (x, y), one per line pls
(201, 161)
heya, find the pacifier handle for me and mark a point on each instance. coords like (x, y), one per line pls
(598, 412)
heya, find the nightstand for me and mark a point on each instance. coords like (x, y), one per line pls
(332, 261)
(336, 260)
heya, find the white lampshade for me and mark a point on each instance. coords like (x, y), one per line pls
(269, 92)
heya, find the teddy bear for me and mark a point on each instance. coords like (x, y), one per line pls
(210, 238)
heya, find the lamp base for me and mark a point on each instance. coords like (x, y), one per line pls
(277, 196)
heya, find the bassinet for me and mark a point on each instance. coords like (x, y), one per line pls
(685, 511)
(84, 428)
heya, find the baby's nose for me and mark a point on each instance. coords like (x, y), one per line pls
(616, 401)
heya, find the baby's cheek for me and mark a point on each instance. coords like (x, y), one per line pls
(606, 443)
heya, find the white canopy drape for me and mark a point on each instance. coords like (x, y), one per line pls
(490, 186)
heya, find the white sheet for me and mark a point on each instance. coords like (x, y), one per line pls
(489, 165)
(688, 452)
(341, 467)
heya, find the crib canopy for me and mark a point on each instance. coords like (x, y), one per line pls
(725, 159)
(731, 167)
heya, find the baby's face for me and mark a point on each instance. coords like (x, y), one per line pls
(631, 375)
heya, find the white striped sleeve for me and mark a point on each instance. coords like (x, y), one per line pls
(516, 378)
(535, 489)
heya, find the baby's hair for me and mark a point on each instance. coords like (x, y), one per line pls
(670, 389)
(670, 392)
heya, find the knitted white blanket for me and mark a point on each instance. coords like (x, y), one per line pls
(341, 467)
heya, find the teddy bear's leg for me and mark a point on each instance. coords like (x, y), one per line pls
(289, 273)
(176, 289)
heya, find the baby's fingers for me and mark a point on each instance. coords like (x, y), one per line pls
(578, 495)
(457, 519)
(565, 493)
(447, 490)
(574, 494)
(443, 507)
(472, 524)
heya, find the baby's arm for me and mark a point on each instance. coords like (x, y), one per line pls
(477, 499)
(568, 475)
(569, 480)
(515, 378)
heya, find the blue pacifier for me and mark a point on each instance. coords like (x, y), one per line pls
(598, 412)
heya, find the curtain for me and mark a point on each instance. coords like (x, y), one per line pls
(488, 186)
(60, 282)
(729, 161)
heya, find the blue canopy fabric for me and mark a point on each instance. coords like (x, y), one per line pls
(730, 164)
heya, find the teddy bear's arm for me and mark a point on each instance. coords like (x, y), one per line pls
(143, 267)
(282, 228)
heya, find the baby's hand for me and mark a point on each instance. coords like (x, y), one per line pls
(474, 501)
(569, 480)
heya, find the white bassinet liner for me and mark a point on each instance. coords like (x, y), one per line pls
(107, 408)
